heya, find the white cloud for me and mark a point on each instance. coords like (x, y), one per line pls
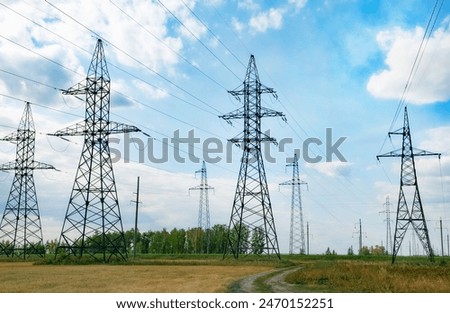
(332, 169)
(248, 5)
(430, 83)
(214, 3)
(151, 91)
(271, 19)
(237, 25)
(299, 4)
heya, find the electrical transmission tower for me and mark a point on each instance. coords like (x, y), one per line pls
(360, 236)
(252, 226)
(387, 211)
(93, 224)
(408, 185)
(20, 228)
(297, 231)
(203, 205)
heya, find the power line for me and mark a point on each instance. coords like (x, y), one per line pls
(167, 46)
(212, 33)
(133, 58)
(42, 56)
(111, 64)
(199, 40)
(417, 60)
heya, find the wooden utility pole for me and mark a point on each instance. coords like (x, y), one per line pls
(136, 218)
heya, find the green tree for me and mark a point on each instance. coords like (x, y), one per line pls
(257, 240)
(218, 235)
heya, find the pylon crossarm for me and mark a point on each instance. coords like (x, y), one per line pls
(399, 131)
(416, 152)
(10, 166)
(78, 89)
(42, 166)
(78, 129)
(271, 113)
(395, 153)
(293, 182)
(419, 152)
(119, 128)
(201, 187)
(13, 137)
(236, 114)
(242, 90)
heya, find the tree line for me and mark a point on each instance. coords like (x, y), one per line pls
(175, 241)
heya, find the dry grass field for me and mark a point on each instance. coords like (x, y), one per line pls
(210, 274)
(372, 276)
(26, 277)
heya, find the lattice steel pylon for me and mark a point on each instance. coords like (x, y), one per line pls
(252, 226)
(408, 183)
(20, 227)
(387, 211)
(297, 242)
(93, 223)
(203, 205)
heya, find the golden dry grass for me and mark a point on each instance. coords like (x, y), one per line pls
(26, 277)
(358, 276)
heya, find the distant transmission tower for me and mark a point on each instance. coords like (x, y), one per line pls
(297, 231)
(387, 211)
(93, 224)
(203, 205)
(252, 226)
(20, 228)
(408, 184)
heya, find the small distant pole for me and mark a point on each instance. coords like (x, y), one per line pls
(136, 218)
(448, 245)
(360, 233)
(307, 238)
(442, 237)
(360, 236)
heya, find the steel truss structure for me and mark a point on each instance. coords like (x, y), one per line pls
(203, 205)
(252, 227)
(93, 225)
(20, 227)
(409, 214)
(297, 244)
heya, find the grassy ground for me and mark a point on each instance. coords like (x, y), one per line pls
(201, 273)
(158, 274)
(372, 275)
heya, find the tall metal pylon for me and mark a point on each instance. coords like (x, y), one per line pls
(252, 226)
(412, 213)
(20, 228)
(203, 205)
(297, 230)
(387, 211)
(93, 223)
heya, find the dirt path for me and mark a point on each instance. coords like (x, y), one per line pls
(273, 281)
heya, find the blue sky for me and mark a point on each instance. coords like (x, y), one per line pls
(334, 64)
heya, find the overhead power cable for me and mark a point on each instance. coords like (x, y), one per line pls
(416, 64)
(133, 58)
(166, 45)
(199, 40)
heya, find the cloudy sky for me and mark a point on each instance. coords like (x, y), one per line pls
(341, 65)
